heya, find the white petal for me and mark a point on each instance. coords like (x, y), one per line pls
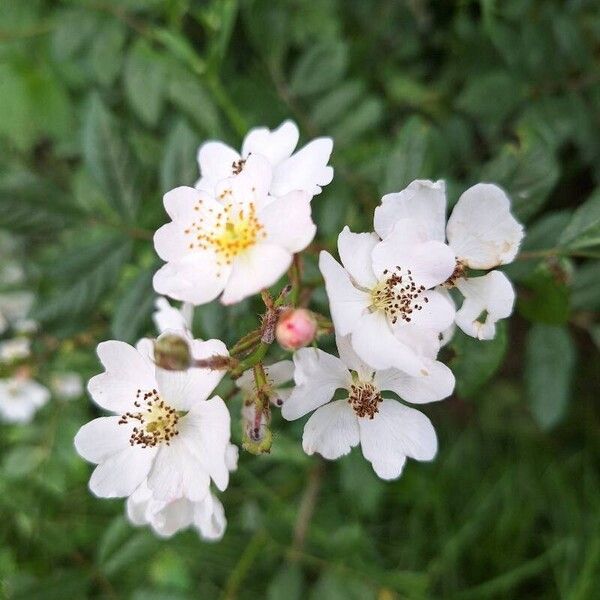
(252, 184)
(355, 251)
(347, 303)
(435, 313)
(167, 317)
(436, 385)
(232, 454)
(173, 517)
(396, 432)
(196, 278)
(349, 357)
(127, 371)
(180, 203)
(306, 170)
(376, 344)
(280, 373)
(430, 263)
(183, 389)
(206, 431)
(275, 146)
(481, 230)
(492, 293)
(317, 376)
(177, 473)
(101, 438)
(122, 473)
(258, 268)
(288, 223)
(209, 518)
(216, 161)
(137, 504)
(424, 201)
(332, 430)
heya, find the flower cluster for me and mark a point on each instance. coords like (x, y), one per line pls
(393, 302)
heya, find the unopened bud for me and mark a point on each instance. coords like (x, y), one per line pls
(257, 434)
(172, 352)
(296, 328)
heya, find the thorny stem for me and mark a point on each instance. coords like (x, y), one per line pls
(253, 359)
(246, 343)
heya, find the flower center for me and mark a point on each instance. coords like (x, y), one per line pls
(364, 399)
(459, 272)
(397, 295)
(157, 421)
(230, 231)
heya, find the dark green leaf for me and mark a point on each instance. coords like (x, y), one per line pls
(550, 358)
(319, 68)
(584, 229)
(179, 166)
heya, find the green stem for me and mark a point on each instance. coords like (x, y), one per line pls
(295, 280)
(253, 359)
(246, 343)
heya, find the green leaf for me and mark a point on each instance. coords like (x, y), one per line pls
(476, 361)
(319, 68)
(549, 362)
(528, 173)
(411, 156)
(335, 586)
(115, 535)
(106, 53)
(179, 166)
(146, 81)
(109, 159)
(584, 229)
(287, 584)
(585, 294)
(89, 273)
(333, 106)
(22, 460)
(546, 297)
(133, 310)
(363, 118)
(362, 489)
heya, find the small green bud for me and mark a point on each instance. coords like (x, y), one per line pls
(172, 353)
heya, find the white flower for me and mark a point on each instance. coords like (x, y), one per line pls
(20, 398)
(237, 244)
(14, 307)
(306, 170)
(278, 374)
(164, 429)
(14, 349)
(168, 517)
(383, 296)
(387, 430)
(482, 233)
(167, 317)
(67, 385)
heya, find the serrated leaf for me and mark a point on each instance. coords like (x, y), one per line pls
(134, 308)
(319, 68)
(549, 362)
(583, 230)
(476, 361)
(146, 81)
(179, 166)
(109, 159)
(99, 269)
(106, 52)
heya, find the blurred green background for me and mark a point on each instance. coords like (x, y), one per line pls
(102, 107)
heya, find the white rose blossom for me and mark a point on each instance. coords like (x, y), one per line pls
(20, 398)
(277, 374)
(384, 296)
(236, 243)
(164, 428)
(387, 430)
(306, 170)
(167, 517)
(482, 234)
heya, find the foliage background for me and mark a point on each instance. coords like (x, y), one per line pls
(102, 107)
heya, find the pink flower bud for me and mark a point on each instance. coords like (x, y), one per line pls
(296, 328)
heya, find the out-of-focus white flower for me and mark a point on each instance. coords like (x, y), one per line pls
(14, 307)
(306, 170)
(384, 296)
(167, 317)
(164, 428)
(67, 385)
(237, 243)
(20, 398)
(14, 349)
(387, 430)
(482, 233)
(168, 517)
(278, 375)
